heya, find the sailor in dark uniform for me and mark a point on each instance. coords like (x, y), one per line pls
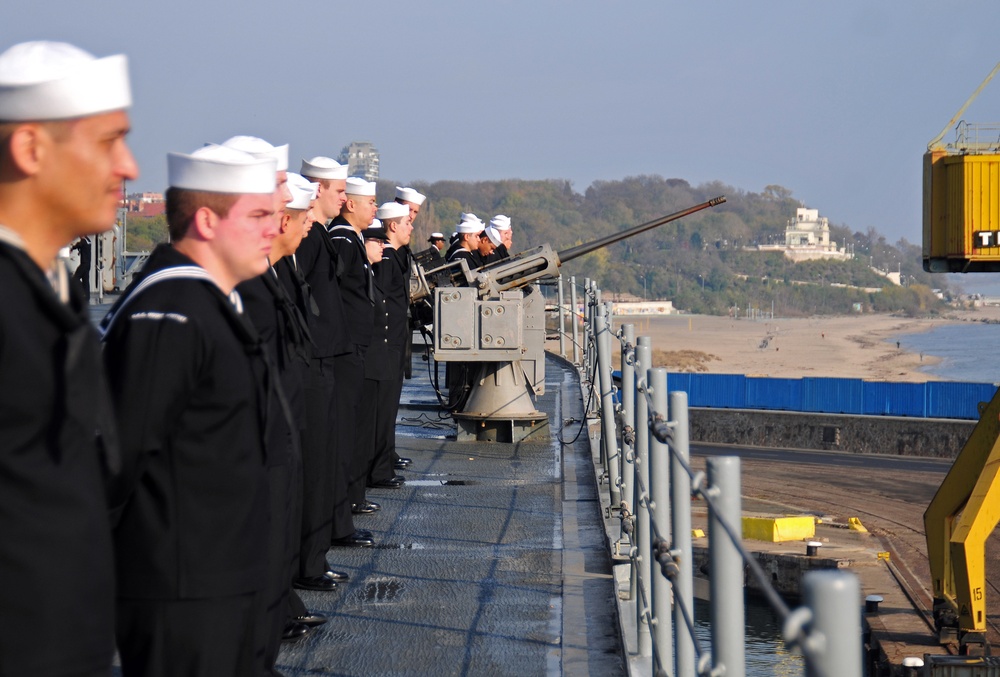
(312, 274)
(437, 241)
(296, 225)
(488, 241)
(83, 247)
(194, 390)
(285, 336)
(392, 274)
(414, 201)
(501, 226)
(63, 123)
(469, 230)
(452, 246)
(357, 285)
(381, 367)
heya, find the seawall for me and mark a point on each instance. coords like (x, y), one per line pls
(935, 438)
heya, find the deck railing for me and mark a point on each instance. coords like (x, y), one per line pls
(650, 482)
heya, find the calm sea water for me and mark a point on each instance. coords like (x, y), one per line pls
(968, 351)
(766, 655)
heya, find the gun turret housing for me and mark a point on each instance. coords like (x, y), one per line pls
(490, 315)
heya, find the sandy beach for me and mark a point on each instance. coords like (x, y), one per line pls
(857, 346)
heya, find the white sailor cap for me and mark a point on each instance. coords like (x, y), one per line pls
(470, 225)
(392, 210)
(410, 195)
(218, 169)
(358, 186)
(469, 216)
(56, 81)
(500, 222)
(494, 235)
(321, 167)
(303, 191)
(260, 148)
(435, 236)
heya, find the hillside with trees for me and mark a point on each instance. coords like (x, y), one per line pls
(699, 262)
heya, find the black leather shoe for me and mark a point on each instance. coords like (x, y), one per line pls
(403, 463)
(310, 620)
(366, 508)
(293, 631)
(395, 482)
(355, 540)
(337, 575)
(320, 583)
(364, 533)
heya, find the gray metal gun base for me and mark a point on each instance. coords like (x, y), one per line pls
(500, 407)
(478, 428)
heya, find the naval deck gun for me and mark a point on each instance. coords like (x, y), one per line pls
(493, 319)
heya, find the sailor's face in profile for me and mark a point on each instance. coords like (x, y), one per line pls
(83, 163)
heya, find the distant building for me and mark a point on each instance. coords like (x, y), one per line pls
(643, 308)
(807, 237)
(809, 229)
(145, 204)
(361, 159)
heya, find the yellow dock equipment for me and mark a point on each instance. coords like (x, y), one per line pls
(961, 211)
(959, 519)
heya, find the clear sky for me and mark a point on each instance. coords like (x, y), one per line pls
(835, 101)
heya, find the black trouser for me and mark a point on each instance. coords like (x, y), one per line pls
(350, 370)
(213, 637)
(285, 488)
(386, 407)
(366, 438)
(318, 460)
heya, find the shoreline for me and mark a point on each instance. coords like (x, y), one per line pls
(851, 346)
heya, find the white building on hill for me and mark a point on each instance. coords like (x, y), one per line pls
(807, 237)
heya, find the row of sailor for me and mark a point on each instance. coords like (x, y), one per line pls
(208, 461)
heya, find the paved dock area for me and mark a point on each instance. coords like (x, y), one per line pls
(490, 561)
(887, 494)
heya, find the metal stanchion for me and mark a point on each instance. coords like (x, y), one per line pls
(726, 567)
(835, 629)
(628, 421)
(680, 514)
(588, 326)
(562, 319)
(659, 496)
(576, 321)
(642, 540)
(611, 457)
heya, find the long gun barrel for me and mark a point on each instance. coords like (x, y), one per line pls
(587, 247)
(533, 264)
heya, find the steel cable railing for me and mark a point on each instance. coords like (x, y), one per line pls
(811, 630)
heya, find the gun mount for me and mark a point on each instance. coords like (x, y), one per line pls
(493, 316)
(528, 266)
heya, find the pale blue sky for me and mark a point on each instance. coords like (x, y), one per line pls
(836, 101)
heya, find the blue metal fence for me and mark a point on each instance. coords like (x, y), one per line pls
(933, 399)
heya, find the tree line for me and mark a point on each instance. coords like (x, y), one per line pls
(698, 262)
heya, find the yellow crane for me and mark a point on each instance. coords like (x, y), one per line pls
(962, 234)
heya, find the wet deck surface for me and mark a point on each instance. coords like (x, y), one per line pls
(490, 561)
